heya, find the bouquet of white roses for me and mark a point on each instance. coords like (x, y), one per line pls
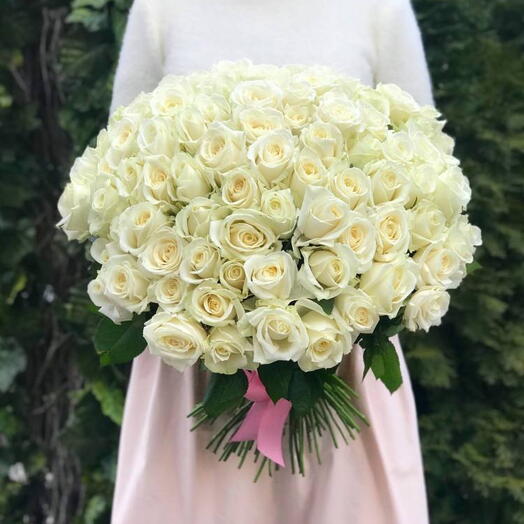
(260, 220)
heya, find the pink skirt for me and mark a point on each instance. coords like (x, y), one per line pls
(166, 476)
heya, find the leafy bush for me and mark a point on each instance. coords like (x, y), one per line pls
(59, 412)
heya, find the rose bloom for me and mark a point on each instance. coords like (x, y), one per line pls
(189, 180)
(162, 254)
(393, 236)
(439, 266)
(194, 219)
(350, 184)
(360, 237)
(242, 234)
(222, 148)
(355, 311)
(168, 292)
(201, 261)
(278, 205)
(213, 304)
(240, 189)
(257, 121)
(176, 338)
(425, 308)
(227, 350)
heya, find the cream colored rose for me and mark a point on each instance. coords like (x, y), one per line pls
(156, 136)
(102, 249)
(298, 116)
(190, 127)
(163, 253)
(398, 148)
(212, 106)
(272, 155)
(364, 149)
(74, 207)
(298, 92)
(96, 292)
(158, 183)
(127, 181)
(271, 276)
(256, 122)
(427, 224)
(190, 181)
(340, 111)
(123, 284)
(168, 292)
(106, 204)
(194, 219)
(401, 104)
(177, 339)
(85, 168)
(214, 305)
(322, 217)
(374, 112)
(389, 284)
(452, 192)
(201, 261)
(279, 207)
(222, 148)
(350, 184)
(240, 189)
(308, 171)
(360, 237)
(233, 277)
(439, 266)
(278, 333)
(389, 183)
(136, 225)
(170, 97)
(327, 271)
(243, 233)
(327, 344)
(122, 137)
(257, 93)
(393, 236)
(425, 308)
(463, 238)
(355, 311)
(325, 139)
(227, 351)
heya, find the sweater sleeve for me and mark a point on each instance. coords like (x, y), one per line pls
(400, 55)
(140, 65)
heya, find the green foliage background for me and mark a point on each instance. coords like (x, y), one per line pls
(60, 413)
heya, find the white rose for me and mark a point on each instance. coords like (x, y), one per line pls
(177, 339)
(439, 266)
(393, 236)
(271, 276)
(401, 104)
(74, 206)
(214, 305)
(156, 136)
(279, 206)
(452, 192)
(201, 261)
(136, 225)
(243, 233)
(122, 139)
(233, 277)
(257, 93)
(190, 182)
(299, 92)
(374, 113)
(350, 184)
(106, 204)
(170, 97)
(102, 249)
(85, 168)
(124, 285)
(425, 308)
(355, 311)
(389, 183)
(326, 271)
(256, 122)
(360, 237)
(308, 170)
(96, 292)
(158, 183)
(129, 175)
(162, 254)
(389, 284)
(327, 344)
(222, 148)
(325, 139)
(194, 219)
(427, 224)
(398, 148)
(278, 333)
(213, 107)
(365, 148)
(340, 111)
(322, 217)
(190, 127)
(298, 116)
(240, 189)
(168, 292)
(463, 238)
(272, 155)
(227, 351)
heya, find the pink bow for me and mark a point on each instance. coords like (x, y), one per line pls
(264, 422)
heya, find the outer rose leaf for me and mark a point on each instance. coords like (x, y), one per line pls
(276, 378)
(224, 392)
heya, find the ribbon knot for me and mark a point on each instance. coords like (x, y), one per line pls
(264, 422)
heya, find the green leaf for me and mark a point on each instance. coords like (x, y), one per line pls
(119, 343)
(471, 268)
(276, 378)
(224, 392)
(111, 400)
(327, 305)
(12, 362)
(381, 357)
(301, 392)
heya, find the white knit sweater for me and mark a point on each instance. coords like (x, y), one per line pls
(373, 40)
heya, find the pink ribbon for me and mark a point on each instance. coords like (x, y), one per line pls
(264, 422)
